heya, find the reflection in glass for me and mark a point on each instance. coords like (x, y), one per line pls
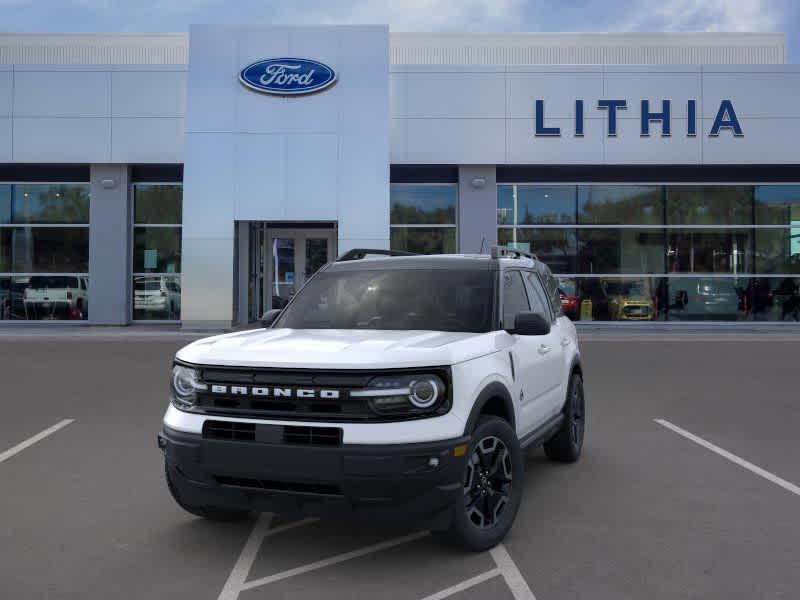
(621, 250)
(555, 247)
(710, 251)
(413, 204)
(423, 240)
(316, 255)
(535, 204)
(621, 204)
(283, 275)
(778, 250)
(156, 297)
(777, 205)
(44, 249)
(782, 302)
(709, 205)
(157, 249)
(620, 299)
(44, 297)
(158, 204)
(44, 203)
(708, 299)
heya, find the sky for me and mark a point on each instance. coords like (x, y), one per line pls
(413, 15)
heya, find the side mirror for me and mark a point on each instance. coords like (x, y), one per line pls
(530, 323)
(269, 317)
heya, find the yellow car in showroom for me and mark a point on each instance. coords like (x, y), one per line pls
(628, 299)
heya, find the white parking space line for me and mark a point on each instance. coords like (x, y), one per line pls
(464, 585)
(4, 456)
(731, 457)
(240, 571)
(508, 569)
(339, 558)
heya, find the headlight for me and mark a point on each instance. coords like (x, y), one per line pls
(408, 394)
(184, 386)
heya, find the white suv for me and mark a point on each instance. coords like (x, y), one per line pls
(397, 386)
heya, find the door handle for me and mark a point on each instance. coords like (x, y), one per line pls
(544, 349)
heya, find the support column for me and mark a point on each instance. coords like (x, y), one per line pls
(477, 208)
(109, 244)
(243, 270)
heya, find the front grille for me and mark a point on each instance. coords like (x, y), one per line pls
(312, 436)
(225, 430)
(320, 406)
(293, 487)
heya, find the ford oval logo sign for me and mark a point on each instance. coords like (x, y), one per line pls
(287, 76)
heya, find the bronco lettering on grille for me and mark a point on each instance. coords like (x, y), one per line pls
(275, 392)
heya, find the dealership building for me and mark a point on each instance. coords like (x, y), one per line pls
(200, 178)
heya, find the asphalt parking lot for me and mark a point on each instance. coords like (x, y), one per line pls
(702, 503)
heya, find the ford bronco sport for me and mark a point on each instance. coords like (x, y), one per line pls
(390, 386)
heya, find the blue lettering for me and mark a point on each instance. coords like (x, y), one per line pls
(612, 106)
(726, 119)
(578, 118)
(541, 130)
(663, 116)
(691, 118)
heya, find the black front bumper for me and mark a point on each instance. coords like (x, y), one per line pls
(397, 481)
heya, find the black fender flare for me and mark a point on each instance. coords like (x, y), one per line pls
(575, 364)
(492, 390)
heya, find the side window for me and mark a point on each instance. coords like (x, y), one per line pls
(515, 299)
(539, 302)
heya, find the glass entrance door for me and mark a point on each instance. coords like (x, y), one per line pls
(291, 256)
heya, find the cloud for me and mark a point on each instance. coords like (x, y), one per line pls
(416, 15)
(705, 15)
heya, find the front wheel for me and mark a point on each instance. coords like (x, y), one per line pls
(492, 487)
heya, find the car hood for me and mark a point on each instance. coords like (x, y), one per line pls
(341, 348)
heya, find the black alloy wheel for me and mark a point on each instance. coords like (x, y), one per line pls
(487, 482)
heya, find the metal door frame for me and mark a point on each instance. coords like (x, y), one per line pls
(300, 235)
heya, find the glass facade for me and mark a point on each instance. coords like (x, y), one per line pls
(662, 252)
(156, 286)
(44, 251)
(423, 217)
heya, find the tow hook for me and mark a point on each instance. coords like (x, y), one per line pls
(162, 443)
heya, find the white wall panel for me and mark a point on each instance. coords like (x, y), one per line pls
(311, 170)
(79, 140)
(558, 90)
(765, 141)
(147, 140)
(262, 197)
(363, 193)
(524, 147)
(455, 95)
(753, 94)
(62, 93)
(5, 139)
(455, 141)
(6, 87)
(210, 89)
(678, 87)
(209, 177)
(148, 93)
(629, 148)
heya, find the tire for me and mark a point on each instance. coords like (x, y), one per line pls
(470, 529)
(567, 443)
(212, 513)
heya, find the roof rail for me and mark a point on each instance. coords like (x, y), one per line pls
(506, 252)
(359, 253)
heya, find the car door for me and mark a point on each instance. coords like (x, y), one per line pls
(529, 363)
(549, 346)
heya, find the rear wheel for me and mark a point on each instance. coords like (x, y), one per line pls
(567, 443)
(213, 513)
(492, 487)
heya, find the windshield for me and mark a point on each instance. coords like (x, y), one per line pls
(429, 299)
(39, 282)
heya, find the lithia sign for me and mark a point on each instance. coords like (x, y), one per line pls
(725, 120)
